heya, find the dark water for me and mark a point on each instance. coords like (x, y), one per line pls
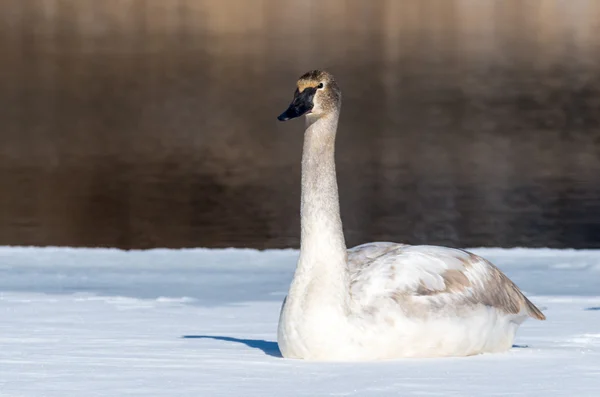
(151, 123)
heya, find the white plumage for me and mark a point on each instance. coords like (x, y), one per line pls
(382, 300)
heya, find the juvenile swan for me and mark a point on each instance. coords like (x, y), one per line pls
(381, 300)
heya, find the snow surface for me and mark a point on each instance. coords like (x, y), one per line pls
(104, 322)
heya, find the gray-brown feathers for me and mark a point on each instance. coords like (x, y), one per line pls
(329, 97)
(425, 280)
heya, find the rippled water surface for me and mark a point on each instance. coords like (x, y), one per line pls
(145, 123)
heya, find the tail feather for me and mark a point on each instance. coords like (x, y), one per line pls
(533, 310)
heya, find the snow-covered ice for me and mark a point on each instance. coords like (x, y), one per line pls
(104, 322)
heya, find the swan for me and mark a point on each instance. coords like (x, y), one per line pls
(381, 300)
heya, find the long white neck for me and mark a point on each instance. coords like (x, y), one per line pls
(322, 268)
(321, 224)
(314, 316)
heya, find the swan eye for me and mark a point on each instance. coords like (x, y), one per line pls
(320, 86)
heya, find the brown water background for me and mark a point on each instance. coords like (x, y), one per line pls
(140, 124)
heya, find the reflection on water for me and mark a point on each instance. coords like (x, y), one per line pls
(145, 123)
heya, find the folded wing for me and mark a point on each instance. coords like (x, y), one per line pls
(428, 279)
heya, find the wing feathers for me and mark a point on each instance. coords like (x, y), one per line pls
(440, 276)
(533, 310)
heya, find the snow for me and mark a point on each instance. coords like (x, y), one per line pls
(104, 322)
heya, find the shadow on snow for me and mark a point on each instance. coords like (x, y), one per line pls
(269, 348)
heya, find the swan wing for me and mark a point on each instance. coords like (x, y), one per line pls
(363, 255)
(429, 278)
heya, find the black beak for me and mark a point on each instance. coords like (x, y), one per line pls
(302, 104)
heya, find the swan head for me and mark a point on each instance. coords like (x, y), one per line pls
(317, 95)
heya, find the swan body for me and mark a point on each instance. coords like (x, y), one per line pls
(381, 300)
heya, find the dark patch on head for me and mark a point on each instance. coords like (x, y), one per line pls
(301, 104)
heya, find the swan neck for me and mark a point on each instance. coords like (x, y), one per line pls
(322, 235)
(319, 299)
